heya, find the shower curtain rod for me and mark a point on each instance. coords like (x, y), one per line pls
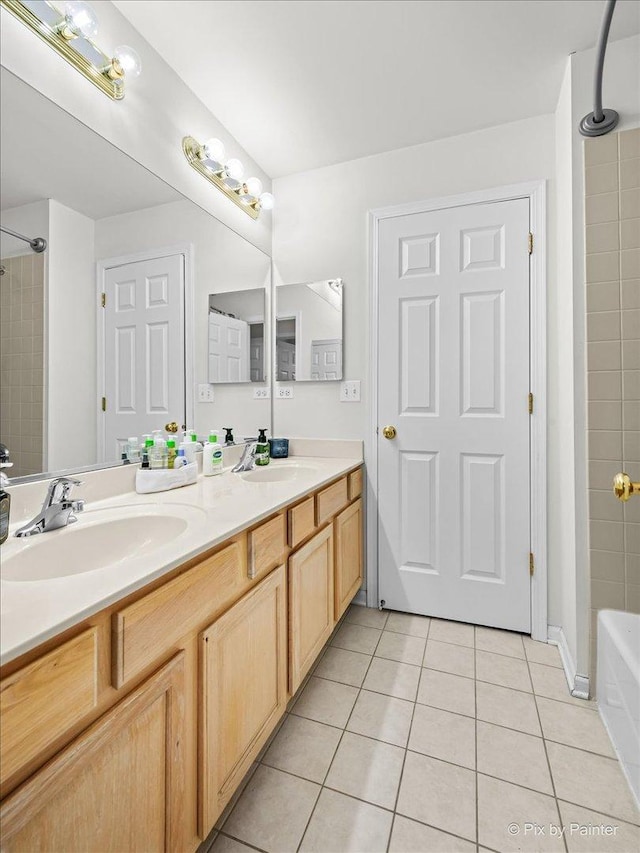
(38, 244)
(600, 121)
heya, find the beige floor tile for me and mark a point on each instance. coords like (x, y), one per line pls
(502, 670)
(503, 811)
(343, 666)
(500, 642)
(273, 811)
(506, 707)
(439, 794)
(447, 691)
(356, 638)
(238, 792)
(367, 769)
(407, 623)
(368, 616)
(382, 717)
(574, 726)
(592, 781)
(343, 824)
(223, 844)
(326, 701)
(408, 836)
(451, 632)
(513, 757)
(440, 734)
(304, 748)
(591, 832)
(537, 652)
(393, 678)
(551, 682)
(447, 657)
(401, 647)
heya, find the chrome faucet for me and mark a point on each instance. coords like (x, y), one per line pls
(248, 460)
(57, 510)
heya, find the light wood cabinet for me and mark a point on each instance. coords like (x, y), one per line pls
(267, 546)
(243, 687)
(331, 500)
(119, 786)
(348, 556)
(310, 603)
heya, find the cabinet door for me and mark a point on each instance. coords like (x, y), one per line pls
(118, 786)
(310, 603)
(243, 689)
(349, 556)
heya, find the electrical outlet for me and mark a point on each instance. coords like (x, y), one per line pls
(284, 392)
(261, 393)
(205, 393)
(350, 391)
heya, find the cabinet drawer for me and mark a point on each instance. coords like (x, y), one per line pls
(46, 698)
(355, 484)
(267, 546)
(302, 521)
(144, 631)
(331, 500)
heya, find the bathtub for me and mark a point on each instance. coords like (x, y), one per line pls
(618, 688)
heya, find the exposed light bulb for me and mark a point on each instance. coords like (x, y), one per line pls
(81, 19)
(254, 186)
(129, 61)
(214, 150)
(267, 201)
(234, 169)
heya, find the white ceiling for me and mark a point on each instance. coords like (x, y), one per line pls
(309, 83)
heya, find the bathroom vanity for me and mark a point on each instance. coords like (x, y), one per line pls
(131, 727)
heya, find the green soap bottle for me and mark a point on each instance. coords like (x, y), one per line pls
(262, 449)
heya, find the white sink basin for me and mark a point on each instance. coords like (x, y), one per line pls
(100, 539)
(277, 473)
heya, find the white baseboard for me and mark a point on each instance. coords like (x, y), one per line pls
(578, 684)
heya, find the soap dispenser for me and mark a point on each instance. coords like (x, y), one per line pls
(262, 448)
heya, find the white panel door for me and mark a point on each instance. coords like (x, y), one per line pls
(326, 359)
(286, 361)
(144, 349)
(228, 349)
(454, 381)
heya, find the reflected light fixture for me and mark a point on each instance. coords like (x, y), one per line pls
(208, 159)
(69, 28)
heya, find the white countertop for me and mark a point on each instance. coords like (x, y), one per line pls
(34, 611)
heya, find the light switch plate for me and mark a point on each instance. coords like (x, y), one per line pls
(350, 391)
(284, 392)
(205, 393)
(261, 393)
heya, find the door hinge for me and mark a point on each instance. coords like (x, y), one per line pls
(532, 565)
(104, 404)
(530, 243)
(530, 403)
(103, 300)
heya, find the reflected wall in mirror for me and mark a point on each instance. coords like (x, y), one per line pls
(309, 331)
(237, 337)
(111, 227)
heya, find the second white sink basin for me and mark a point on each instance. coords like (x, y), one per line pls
(98, 540)
(277, 473)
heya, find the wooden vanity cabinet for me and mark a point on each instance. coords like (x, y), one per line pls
(349, 562)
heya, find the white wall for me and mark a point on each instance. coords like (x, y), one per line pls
(70, 307)
(222, 261)
(149, 124)
(32, 220)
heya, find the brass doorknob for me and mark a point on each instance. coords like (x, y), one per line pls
(623, 488)
(171, 427)
(389, 432)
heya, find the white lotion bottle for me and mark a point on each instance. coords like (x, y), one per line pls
(212, 456)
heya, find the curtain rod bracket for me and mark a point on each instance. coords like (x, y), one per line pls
(600, 121)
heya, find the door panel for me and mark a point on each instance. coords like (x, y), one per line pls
(454, 381)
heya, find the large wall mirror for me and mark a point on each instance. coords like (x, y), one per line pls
(162, 262)
(309, 331)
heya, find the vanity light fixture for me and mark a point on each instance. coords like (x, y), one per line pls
(208, 159)
(69, 28)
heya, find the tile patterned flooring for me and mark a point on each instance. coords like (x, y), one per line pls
(417, 735)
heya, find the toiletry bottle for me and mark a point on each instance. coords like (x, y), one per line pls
(180, 459)
(171, 452)
(228, 439)
(194, 439)
(145, 459)
(133, 449)
(212, 456)
(262, 448)
(158, 454)
(5, 510)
